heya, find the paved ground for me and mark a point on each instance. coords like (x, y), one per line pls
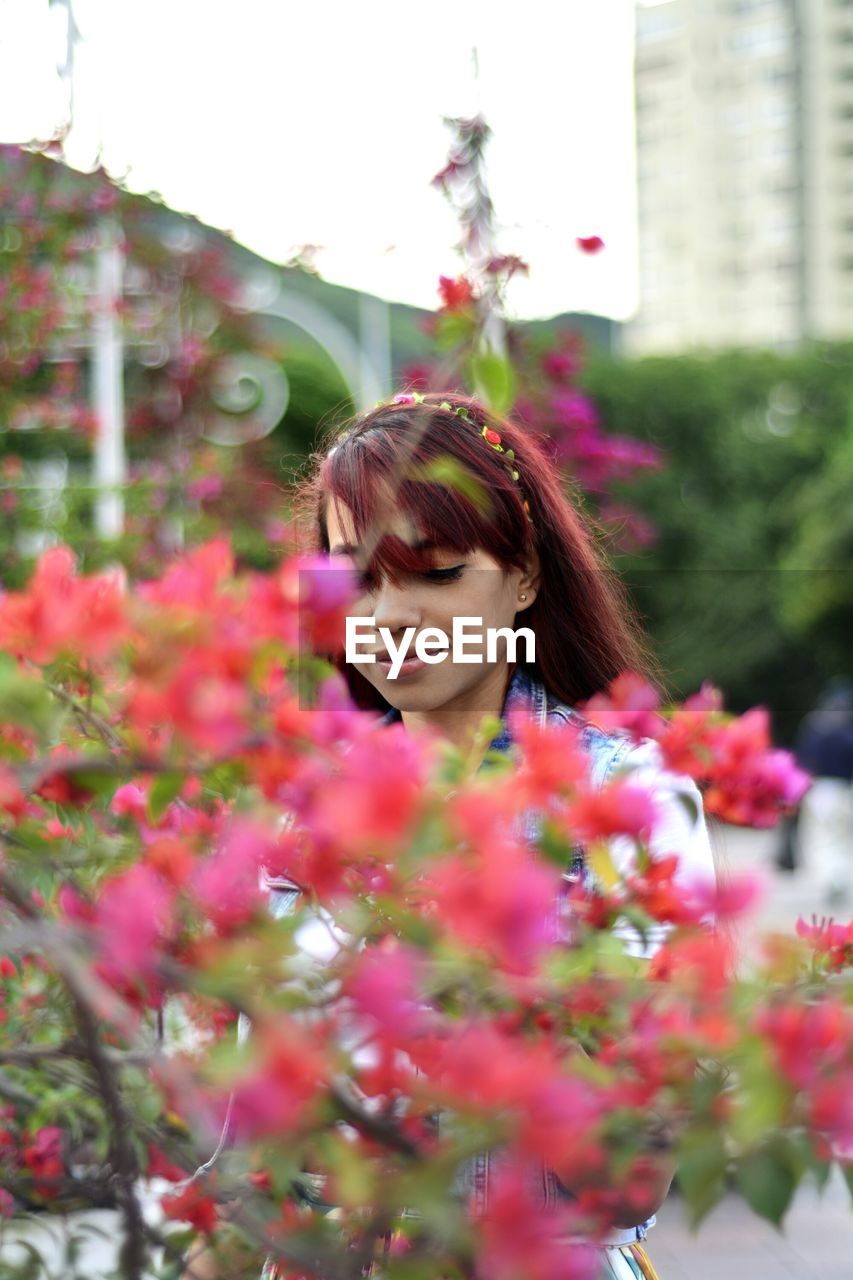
(733, 1244)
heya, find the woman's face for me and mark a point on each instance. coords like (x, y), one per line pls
(459, 585)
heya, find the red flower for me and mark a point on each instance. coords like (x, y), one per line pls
(835, 941)
(749, 782)
(492, 436)
(43, 1157)
(456, 294)
(517, 1237)
(620, 808)
(193, 1206)
(160, 1166)
(12, 798)
(60, 612)
(499, 901)
(590, 244)
(630, 703)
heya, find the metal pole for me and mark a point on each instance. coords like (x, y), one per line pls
(108, 384)
(374, 333)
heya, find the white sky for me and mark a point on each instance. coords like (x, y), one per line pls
(321, 122)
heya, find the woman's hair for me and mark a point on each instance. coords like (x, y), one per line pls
(439, 469)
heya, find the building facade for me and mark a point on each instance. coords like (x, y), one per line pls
(745, 173)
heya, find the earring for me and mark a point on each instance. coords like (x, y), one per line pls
(522, 597)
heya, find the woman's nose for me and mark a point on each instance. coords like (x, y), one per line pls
(395, 607)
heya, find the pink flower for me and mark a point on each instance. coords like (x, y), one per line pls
(289, 1073)
(196, 580)
(130, 799)
(43, 1157)
(12, 798)
(809, 1041)
(727, 897)
(517, 1237)
(497, 900)
(749, 783)
(323, 589)
(620, 808)
(630, 703)
(226, 884)
(576, 410)
(134, 916)
(834, 941)
(205, 488)
(383, 985)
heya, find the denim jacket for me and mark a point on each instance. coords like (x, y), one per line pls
(606, 752)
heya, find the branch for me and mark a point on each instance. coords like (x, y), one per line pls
(122, 1155)
(32, 1055)
(103, 729)
(14, 1093)
(382, 1128)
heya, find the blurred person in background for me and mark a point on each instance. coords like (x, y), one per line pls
(824, 747)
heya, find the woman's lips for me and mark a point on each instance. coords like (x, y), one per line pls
(409, 667)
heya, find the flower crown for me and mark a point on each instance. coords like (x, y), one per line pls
(491, 437)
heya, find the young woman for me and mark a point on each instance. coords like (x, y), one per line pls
(451, 513)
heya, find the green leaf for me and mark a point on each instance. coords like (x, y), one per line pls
(450, 473)
(100, 784)
(767, 1182)
(554, 846)
(26, 701)
(690, 803)
(454, 329)
(702, 1171)
(494, 380)
(166, 787)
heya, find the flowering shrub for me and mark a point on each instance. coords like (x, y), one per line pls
(188, 339)
(151, 741)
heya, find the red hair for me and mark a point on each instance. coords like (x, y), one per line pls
(587, 631)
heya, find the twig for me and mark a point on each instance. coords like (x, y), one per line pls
(104, 730)
(14, 1093)
(383, 1128)
(122, 1155)
(35, 1054)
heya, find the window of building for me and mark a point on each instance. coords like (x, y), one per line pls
(661, 23)
(760, 41)
(751, 6)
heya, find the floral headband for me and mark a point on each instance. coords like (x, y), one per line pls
(490, 436)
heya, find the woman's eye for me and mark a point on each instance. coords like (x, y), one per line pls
(367, 581)
(444, 575)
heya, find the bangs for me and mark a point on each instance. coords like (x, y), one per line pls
(360, 471)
